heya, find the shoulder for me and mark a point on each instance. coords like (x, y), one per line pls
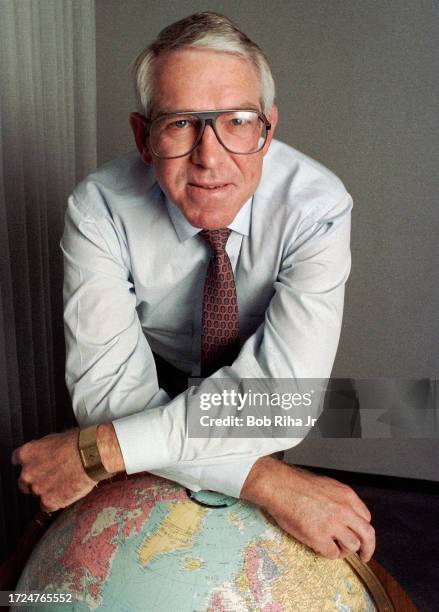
(297, 183)
(121, 184)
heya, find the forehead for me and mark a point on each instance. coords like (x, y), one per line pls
(201, 79)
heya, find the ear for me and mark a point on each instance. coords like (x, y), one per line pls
(272, 117)
(138, 125)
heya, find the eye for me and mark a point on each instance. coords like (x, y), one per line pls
(181, 123)
(238, 121)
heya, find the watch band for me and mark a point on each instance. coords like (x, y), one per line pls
(90, 455)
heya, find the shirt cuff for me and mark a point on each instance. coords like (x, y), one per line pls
(227, 478)
(138, 455)
(188, 477)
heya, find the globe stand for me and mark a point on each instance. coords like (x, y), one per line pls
(211, 499)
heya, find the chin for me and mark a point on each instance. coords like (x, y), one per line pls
(213, 221)
(213, 226)
(209, 219)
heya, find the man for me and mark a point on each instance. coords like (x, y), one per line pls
(138, 238)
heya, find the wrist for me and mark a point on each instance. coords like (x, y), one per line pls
(259, 485)
(109, 449)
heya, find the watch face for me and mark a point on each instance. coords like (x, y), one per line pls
(92, 455)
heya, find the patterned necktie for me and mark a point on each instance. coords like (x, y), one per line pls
(220, 323)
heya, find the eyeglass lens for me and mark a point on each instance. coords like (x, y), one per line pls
(238, 131)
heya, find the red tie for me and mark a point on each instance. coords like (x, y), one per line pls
(220, 323)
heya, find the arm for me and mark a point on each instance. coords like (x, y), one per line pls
(110, 368)
(297, 340)
(305, 312)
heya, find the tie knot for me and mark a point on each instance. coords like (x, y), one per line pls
(217, 239)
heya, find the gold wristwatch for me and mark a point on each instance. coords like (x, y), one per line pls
(90, 455)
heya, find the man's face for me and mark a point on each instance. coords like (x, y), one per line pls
(209, 185)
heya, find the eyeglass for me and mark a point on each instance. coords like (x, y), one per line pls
(240, 132)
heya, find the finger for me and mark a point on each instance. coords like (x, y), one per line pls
(47, 509)
(348, 496)
(23, 486)
(328, 549)
(366, 533)
(49, 502)
(360, 507)
(344, 552)
(357, 504)
(367, 549)
(347, 541)
(14, 457)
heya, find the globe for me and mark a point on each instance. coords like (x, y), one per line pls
(148, 544)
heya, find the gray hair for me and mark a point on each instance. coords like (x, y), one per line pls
(207, 30)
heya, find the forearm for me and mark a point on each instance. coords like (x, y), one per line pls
(161, 438)
(257, 486)
(226, 478)
(110, 379)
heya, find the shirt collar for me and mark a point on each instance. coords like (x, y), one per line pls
(184, 230)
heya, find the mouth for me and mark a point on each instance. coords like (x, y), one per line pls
(209, 186)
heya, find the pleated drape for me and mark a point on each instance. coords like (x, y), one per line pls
(47, 144)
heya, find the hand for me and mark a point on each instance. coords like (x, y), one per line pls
(52, 470)
(323, 513)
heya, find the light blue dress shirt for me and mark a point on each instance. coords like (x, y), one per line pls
(134, 275)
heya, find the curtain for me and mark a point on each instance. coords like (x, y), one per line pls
(47, 144)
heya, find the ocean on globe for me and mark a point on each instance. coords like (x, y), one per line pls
(144, 544)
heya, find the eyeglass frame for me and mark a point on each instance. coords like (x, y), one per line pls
(209, 117)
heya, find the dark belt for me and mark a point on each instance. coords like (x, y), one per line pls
(171, 379)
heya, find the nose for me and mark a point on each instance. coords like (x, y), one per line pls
(209, 151)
